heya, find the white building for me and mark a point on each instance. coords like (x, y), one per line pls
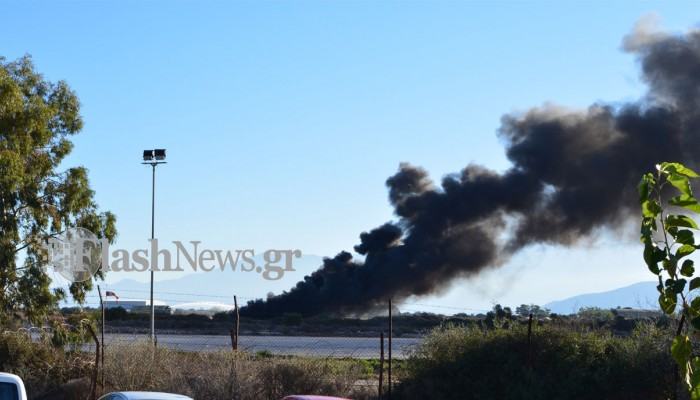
(138, 306)
(208, 308)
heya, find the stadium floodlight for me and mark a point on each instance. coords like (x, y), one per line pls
(153, 158)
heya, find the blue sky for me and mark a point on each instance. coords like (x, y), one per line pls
(282, 120)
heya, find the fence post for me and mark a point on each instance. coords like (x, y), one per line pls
(529, 341)
(391, 329)
(236, 324)
(93, 384)
(381, 363)
(676, 372)
(102, 335)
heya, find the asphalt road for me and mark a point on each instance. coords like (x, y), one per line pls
(278, 345)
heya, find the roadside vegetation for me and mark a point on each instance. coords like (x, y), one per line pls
(53, 371)
(595, 354)
(43, 365)
(559, 363)
(229, 375)
(415, 324)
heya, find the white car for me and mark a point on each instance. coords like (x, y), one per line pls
(142, 396)
(11, 387)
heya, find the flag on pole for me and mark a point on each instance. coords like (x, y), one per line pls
(111, 293)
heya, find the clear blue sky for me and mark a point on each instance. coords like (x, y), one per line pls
(282, 120)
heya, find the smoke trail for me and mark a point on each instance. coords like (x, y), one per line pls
(573, 173)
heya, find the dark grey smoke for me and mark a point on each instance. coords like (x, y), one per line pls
(573, 173)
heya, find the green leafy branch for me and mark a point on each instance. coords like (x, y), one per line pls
(668, 240)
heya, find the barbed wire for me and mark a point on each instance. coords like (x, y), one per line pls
(403, 307)
(230, 296)
(198, 295)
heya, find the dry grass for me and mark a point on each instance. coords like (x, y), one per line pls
(225, 375)
(51, 373)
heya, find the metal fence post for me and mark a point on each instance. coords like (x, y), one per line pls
(381, 363)
(391, 329)
(529, 341)
(102, 334)
(236, 324)
(93, 384)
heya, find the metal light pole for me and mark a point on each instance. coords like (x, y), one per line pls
(153, 158)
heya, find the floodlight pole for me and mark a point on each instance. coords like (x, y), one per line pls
(153, 228)
(153, 158)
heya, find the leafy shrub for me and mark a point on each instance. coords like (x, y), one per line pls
(42, 366)
(467, 363)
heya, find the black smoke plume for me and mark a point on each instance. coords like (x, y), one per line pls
(573, 173)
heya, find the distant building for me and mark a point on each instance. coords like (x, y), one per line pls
(202, 308)
(139, 306)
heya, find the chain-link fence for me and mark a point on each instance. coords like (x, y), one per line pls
(290, 335)
(332, 351)
(302, 346)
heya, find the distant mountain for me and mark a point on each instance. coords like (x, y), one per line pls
(639, 295)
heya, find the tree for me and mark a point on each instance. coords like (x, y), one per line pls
(525, 310)
(498, 317)
(668, 240)
(37, 200)
(595, 313)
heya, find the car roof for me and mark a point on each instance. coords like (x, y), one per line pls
(312, 397)
(7, 377)
(151, 396)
